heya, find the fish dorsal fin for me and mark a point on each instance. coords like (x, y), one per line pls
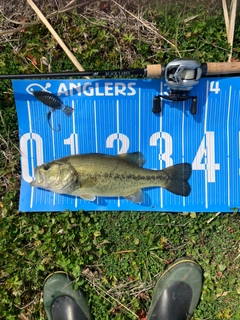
(135, 158)
(135, 197)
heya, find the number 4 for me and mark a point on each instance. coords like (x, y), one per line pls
(206, 152)
(214, 87)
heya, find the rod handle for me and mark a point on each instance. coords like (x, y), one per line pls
(155, 71)
(217, 68)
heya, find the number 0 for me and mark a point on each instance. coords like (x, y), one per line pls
(26, 158)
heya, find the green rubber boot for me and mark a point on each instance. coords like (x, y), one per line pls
(177, 292)
(61, 302)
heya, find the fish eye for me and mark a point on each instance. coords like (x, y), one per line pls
(46, 167)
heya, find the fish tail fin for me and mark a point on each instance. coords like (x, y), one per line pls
(67, 110)
(177, 179)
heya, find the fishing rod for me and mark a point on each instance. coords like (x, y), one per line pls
(151, 71)
(180, 76)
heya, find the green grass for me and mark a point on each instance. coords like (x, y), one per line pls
(116, 257)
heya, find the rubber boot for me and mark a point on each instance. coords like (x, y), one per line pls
(177, 292)
(61, 302)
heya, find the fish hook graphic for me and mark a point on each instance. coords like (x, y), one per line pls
(54, 103)
(49, 118)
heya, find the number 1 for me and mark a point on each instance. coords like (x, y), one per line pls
(73, 142)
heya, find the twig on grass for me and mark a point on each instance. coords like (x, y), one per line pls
(68, 7)
(211, 219)
(148, 27)
(106, 293)
(56, 36)
(22, 317)
(27, 305)
(237, 257)
(124, 251)
(173, 224)
(230, 23)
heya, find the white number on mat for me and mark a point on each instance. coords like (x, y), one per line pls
(73, 142)
(166, 155)
(205, 157)
(26, 145)
(120, 137)
(214, 87)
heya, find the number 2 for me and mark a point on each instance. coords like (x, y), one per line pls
(119, 137)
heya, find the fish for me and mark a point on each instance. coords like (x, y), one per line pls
(52, 101)
(94, 175)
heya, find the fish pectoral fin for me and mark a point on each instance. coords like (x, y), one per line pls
(135, 197)
(88, 197)
(136, 158)
(88, 182)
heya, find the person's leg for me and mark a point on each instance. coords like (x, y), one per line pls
(177, 291)
(61, 302)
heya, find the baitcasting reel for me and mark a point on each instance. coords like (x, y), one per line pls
(180, 76)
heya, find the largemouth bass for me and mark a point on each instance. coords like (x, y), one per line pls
(91, 175)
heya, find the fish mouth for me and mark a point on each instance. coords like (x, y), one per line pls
(38, 178)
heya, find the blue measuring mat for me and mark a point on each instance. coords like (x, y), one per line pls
(114, 116)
